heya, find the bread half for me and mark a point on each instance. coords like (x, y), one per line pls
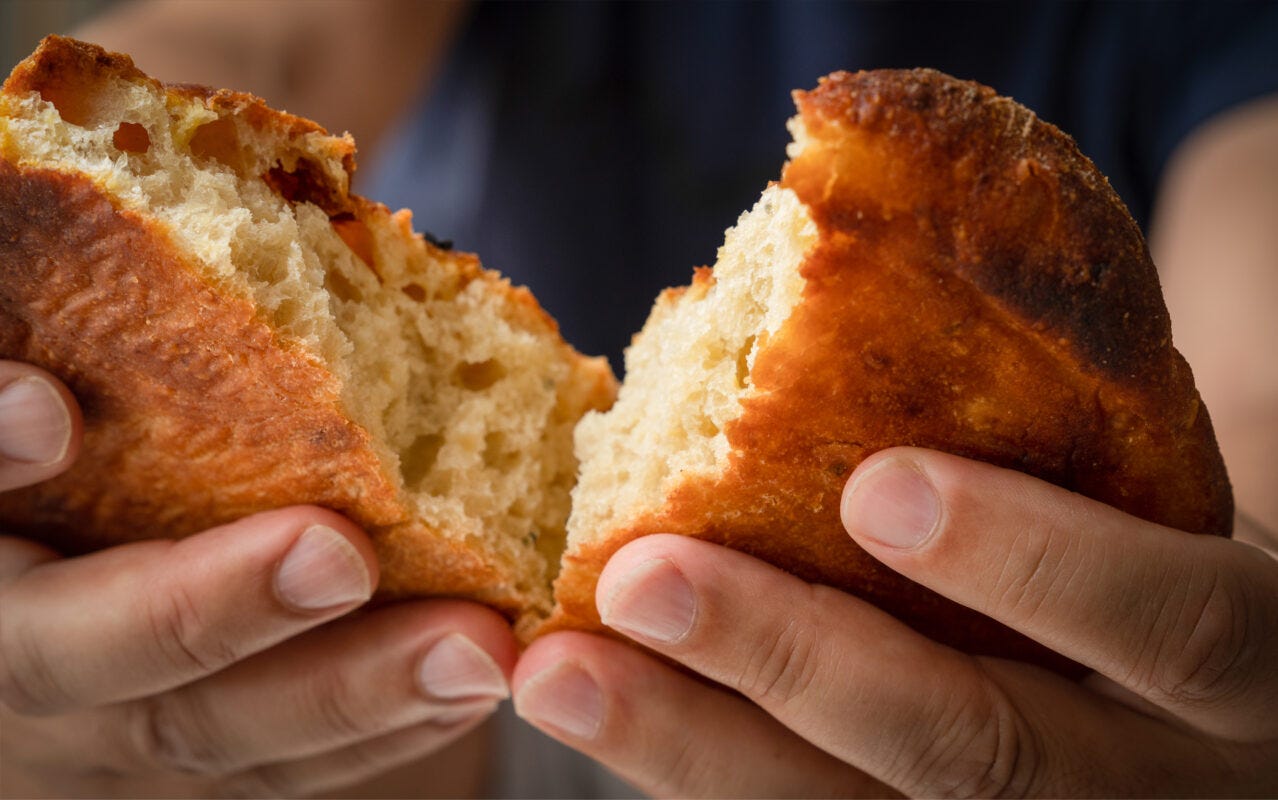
(939, 268)
(244, 333)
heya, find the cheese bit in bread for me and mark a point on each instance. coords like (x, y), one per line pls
(245, 333)
(936, 268)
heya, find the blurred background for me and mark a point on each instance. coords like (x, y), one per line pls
(24, 22)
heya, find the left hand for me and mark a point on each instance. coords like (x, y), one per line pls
(833, 695)
(238, 661)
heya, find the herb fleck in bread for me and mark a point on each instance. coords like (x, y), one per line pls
(245, 333)
(937, 268)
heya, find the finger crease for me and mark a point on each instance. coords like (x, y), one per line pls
(31, 685)
(178, 628)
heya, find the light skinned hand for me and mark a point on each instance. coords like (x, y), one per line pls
(812, 692)
(226, 663)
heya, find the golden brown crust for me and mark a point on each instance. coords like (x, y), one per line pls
(171, 372)
(1036, 339)
(65, 72)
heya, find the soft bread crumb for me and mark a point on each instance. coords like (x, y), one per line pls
(688, 370)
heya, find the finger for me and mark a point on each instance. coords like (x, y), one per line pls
(357, 679)
(141, 618)
(810, 657)
(665, 732)
(19, 556)
(40, 425)
(1185, 621)
(867, 689)
(368, 760)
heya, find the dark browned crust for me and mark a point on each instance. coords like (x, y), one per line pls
(993, 191)
(977, 288)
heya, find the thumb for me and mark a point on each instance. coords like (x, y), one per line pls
(40, 425)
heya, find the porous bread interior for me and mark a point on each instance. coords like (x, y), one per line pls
(459, 397)
(688, 371)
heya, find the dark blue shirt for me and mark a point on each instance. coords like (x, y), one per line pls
(596, 152)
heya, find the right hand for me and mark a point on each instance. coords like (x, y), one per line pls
(224, 663)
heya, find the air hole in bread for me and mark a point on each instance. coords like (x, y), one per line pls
(497, 452)
(342, 288)
(480, 376)
(219, 141)
(419, 459)
(743, 363)
(305, 183)
(415, 292)
(75, 105)
(287, 311)
(131, 137)
(357, 237)
(447, 289)
(706, 428)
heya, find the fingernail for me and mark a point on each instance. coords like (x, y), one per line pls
(564, 698)
(35, 425)
(456, 668)
(465, 713)
(894, 504)
(322, 570)
(653, 601)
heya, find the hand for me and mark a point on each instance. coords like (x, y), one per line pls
(1181, 630)
(225, 663)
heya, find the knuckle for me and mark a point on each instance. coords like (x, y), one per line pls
(784, 666)
(173, 734)
(28, 683)
(980, 746)
(683, 773)
(1205, 646)
(264, 781)
(342, 714)
(1038, 570)
(183, 636)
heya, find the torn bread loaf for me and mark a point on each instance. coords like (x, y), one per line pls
(243, 333)
(936, 268)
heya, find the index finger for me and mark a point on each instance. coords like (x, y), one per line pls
(141, 618)
(1184, 621)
